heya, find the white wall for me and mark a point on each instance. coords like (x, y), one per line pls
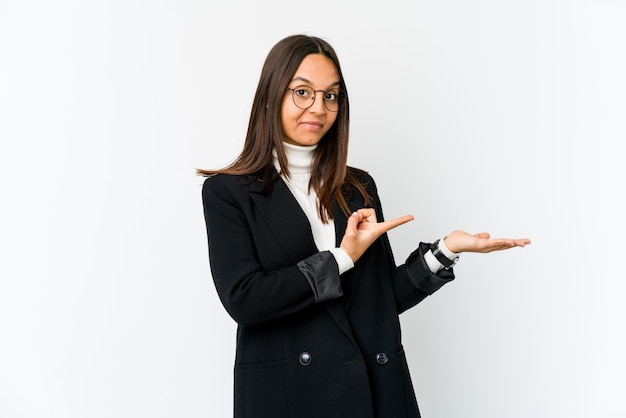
(503, 116)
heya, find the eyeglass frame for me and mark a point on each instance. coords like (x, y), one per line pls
(342, 97)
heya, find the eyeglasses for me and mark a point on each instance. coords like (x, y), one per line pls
(304, 97)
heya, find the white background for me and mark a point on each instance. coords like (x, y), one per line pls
(504, 116)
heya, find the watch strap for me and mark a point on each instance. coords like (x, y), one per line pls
(441, 257)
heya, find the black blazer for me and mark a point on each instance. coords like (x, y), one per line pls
(310, 343)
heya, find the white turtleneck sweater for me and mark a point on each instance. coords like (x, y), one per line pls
(299, 159)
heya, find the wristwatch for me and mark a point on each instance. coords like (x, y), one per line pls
(447, 263)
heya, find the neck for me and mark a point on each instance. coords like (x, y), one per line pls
(299, 158)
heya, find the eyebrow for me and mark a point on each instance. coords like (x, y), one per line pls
(336, 83)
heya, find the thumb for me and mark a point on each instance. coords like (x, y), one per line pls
(353, 222)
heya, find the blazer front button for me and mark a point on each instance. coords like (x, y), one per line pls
(381, 358)
(305, 358)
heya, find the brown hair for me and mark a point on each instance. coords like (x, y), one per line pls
(329, 175)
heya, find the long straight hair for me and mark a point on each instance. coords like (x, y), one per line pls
(329, 172)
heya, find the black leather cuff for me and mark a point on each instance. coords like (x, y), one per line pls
(322, 272)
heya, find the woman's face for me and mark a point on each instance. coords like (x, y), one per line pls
(307, 126)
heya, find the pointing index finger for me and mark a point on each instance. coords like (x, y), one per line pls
(392, 223)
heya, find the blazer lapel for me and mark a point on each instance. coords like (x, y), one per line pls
(286, 219)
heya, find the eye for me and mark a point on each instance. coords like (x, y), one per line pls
(302, 92)
(331, 96)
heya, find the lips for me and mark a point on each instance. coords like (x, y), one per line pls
(312, 126)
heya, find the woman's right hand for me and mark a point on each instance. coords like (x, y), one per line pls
(363, 229)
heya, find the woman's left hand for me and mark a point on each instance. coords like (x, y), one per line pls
(461, 242)
(363, 229)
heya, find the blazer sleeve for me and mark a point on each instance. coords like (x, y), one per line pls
(251, 294)
(412, 281)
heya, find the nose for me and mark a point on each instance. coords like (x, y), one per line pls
(318, 103)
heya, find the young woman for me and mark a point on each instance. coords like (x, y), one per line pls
(300, 256)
